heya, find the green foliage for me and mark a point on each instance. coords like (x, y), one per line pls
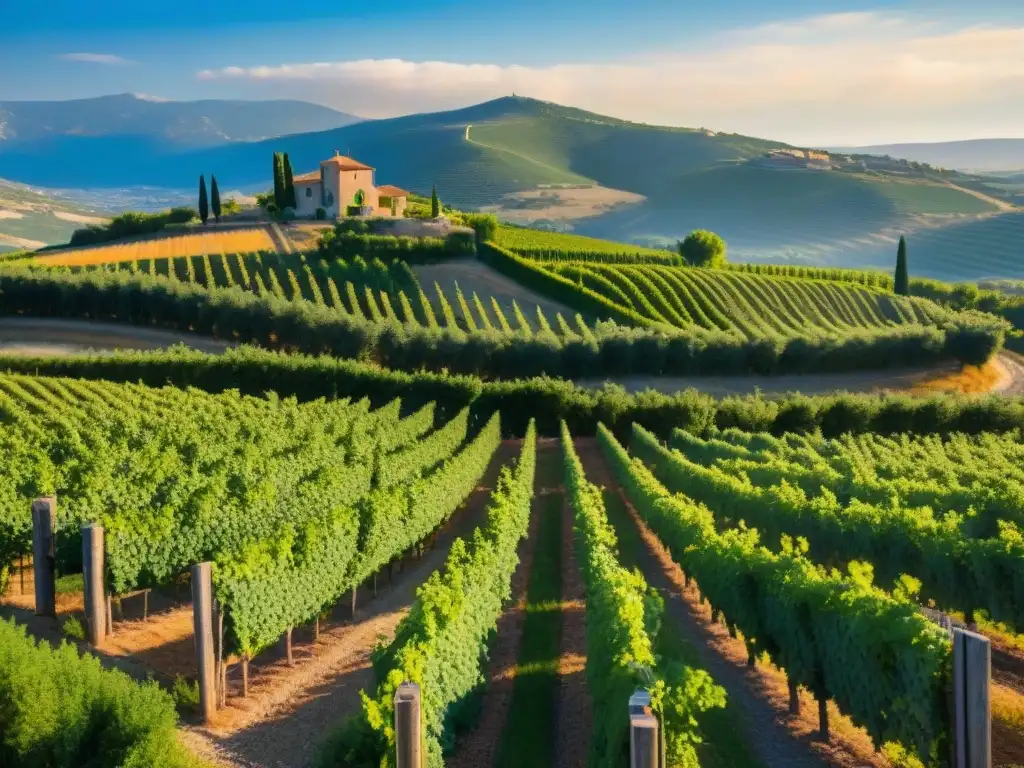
(73, 627)
(64, 711)
(807, 618)
(230, 206)
(280, 201)
(623, 616)
(204, 206)
(701, 248)
(215, 198)
(256, 371)
(343, 243)
(539, 245)
(185, 693)
(956, 572)
(901, 282)
(435, 204)
(130, 224)
(441, 643)
(289, 183)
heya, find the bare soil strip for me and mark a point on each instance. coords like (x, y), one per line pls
(482, 746)
(479, 748)
(575, 714)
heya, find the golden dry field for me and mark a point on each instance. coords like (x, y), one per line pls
(229, 241)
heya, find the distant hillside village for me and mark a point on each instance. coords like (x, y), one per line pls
(796, 160)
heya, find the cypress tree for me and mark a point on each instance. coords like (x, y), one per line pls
(278, 181)
(901, 283)
(214, 198)
(289, 183)
(435, 204)
(204, 208)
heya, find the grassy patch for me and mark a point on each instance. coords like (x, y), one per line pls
(529, 737)
(70, 584)
(724, 746)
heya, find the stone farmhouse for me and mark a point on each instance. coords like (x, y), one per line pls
(345, 187)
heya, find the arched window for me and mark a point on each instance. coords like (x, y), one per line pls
(328, 198)
(309, 191)
(360, 198)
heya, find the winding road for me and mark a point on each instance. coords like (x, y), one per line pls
(43, 337)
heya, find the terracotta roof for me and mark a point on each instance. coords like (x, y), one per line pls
(304, 177)
(347, 163)
(389, 190)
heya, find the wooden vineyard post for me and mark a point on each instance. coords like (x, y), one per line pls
(645, 742)
(245, 676)
(288, 647)
(202, 617)
(408, 750)
(92, 565)
(110, 616)
(44, 559)
(972, 674)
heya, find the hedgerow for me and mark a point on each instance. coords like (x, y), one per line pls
(236, 315)
(255, 371)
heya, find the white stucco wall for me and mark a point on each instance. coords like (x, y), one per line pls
(307, 198)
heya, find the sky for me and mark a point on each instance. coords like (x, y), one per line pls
(826, 73)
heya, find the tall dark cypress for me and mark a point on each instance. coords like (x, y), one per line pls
(901, 283)
(214, 198)
(289, 183)
(435, 204)
(278, 181)
(204, 207)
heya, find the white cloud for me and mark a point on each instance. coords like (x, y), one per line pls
(95, 58)
(839, 78)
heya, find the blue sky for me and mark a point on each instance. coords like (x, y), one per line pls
(838, 72)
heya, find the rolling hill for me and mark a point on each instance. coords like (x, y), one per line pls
(31, 219)
(524, 158)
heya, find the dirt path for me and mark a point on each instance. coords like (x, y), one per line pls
(1002, 205)
(291, 709)
(480, 747)
(44, 337)
(779, 740)
(574, 706)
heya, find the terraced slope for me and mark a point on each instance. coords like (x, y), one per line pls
(755, 306)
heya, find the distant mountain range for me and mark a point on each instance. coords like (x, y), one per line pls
(40, 125)
(969, 155)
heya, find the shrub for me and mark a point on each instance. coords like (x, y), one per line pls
(702, 248)
(72, 627)
(185, 693)
(460, 244)
(485, 225)
(63, 710)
